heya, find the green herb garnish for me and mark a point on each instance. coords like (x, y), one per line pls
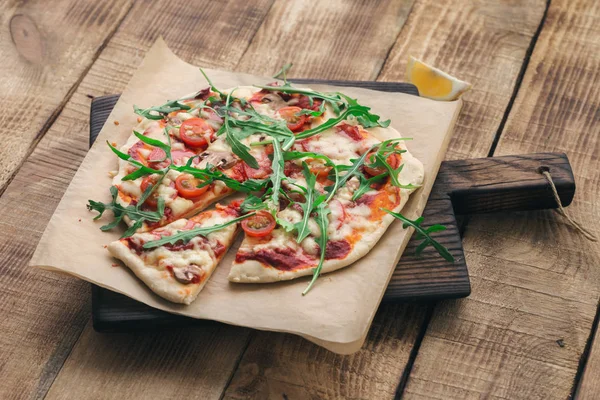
(186, 236)
(134, 213)
(323, 222)
(424, 234)
(160, 112)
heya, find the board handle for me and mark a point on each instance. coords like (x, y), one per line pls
(507, 183)
(480, 185)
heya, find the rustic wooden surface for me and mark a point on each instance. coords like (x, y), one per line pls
(523, 333)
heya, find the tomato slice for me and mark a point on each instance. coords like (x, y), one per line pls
(259, 225)
(152, 200)
(294, 122)
(193, 133)
(187, 186)
(393, 160)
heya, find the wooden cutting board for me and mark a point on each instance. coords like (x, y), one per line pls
(509, 183)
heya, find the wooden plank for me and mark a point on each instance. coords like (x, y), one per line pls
(182, 363)
(43, 314)
(255, 377)
(284, 366)
(333, 39)
(482, 42)
(42, 63)
(535, 280)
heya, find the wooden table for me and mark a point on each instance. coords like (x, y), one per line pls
(527, 330)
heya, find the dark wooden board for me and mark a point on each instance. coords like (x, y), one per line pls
(509, 183)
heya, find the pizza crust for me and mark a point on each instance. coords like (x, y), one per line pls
(160, 282)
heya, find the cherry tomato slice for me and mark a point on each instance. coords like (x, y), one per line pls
(294, 122)
(187, 186)
(193, 133)
(259, 225)
(152, 200)
(392, 160)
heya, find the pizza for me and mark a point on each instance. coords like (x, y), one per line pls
(177, 269)
(321, 179)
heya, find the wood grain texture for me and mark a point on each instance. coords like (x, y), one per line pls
(182, 363)
(335, 39)
(42, 63)
(277, 366)
(43, 314)
(434, 28)
(535, 279)
(482, 42)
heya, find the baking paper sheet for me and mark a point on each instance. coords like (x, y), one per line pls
(338, 311)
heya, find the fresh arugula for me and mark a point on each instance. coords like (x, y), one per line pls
(134, 213)
(186, 236)
(281, 74)
(252, 203)
(212, 87)
(209, 175)
(142, 169)
(295, 155)
(323, 222)
(234, 136)
(365, 184)
(424, 234)
(307, 206)
(277, 174)
(160, 112)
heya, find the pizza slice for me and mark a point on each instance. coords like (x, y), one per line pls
(176, 260)
(289, 246)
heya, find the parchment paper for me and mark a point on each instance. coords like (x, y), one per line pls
(338, 311)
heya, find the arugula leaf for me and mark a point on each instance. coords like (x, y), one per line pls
(142, 169)
(282, 72)
(277, 173)
(233, 137)
(156, 143)
(134, 213)
(209, 175)
(212, 87)
(170, 106)
(323, 222)
(365, 184)
(240, 149)
(424, 234)
(294, 155)
(252, 203)
(307, 205)
(186, 236)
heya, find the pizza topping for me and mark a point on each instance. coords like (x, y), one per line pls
(189, 187)
(259, 225)
(193, 132)
(372, 169)
(351, 131)
(295, 121)
(135, 151)
(337, 249)
(191, 274)
(152, 200)
(283, 258)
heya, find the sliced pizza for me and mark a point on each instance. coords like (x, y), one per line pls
(175, 261)
(354, 219)
(320, 184)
